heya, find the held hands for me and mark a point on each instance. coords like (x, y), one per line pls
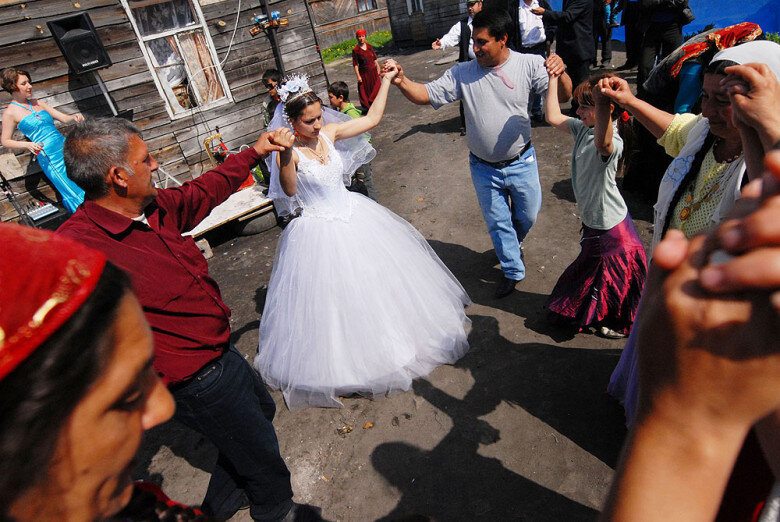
(390, 70)
(275, 141)
(598, 97)
(538, 11)
(436, 45)
(755, 96)
(391, 65)
(554, 64)
(616, 89)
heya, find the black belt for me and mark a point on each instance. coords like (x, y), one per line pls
(506, 162)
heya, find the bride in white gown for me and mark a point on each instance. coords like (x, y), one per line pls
(358, 302)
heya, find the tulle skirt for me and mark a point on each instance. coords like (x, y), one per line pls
(604, 284)
(360, 305)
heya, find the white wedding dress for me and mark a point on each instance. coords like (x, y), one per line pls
(358, 302)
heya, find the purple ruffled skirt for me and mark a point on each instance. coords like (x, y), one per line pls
(602, 287)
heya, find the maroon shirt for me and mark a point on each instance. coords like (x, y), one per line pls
(190, 323)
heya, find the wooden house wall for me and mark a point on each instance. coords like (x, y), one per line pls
(25, 42)
(337, 20)
(422, 28)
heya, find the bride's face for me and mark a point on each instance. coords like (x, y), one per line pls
(309, 123)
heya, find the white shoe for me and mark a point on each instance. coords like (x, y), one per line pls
(610, 333)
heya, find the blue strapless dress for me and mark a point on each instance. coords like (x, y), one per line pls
(39, 127)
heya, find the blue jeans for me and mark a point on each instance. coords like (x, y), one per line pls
(228, 403)
(510, 199)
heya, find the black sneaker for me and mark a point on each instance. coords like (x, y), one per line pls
(303, 513)
(505, 287)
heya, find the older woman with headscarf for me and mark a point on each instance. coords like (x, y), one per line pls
(367, 71)
(77, 388)
(702, 183)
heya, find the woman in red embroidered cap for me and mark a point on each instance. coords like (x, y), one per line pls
(77, 389)
(366, 69)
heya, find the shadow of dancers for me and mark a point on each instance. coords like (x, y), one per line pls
(562, 387)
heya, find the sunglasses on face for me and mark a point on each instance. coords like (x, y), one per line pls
(269, 85)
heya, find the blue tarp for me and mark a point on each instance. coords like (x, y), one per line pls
(765, 13)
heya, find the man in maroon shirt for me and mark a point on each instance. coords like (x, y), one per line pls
(140, 229)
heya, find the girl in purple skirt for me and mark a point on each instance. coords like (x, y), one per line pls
(602, 287)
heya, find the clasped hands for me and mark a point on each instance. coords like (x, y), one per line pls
(277, 140)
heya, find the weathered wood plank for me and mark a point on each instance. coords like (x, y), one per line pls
(36, 29)
(37, 9)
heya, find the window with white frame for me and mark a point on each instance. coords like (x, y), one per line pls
(414, 6)
(179, 52)
(365, 5)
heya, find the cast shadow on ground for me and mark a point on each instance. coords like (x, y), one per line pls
(184, 442)
(434, 127)
(562, 387)
(564, 190)
(479, 274)
(251, 326)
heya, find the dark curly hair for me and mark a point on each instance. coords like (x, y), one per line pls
(39, 395)
(9, 77)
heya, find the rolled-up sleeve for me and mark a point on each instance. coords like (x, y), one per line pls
(443, 90)
(676, 135)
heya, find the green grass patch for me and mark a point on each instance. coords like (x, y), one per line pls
(378, 40)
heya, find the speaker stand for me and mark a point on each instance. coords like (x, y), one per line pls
(105, 93)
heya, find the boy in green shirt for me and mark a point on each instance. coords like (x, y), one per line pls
(338, 95)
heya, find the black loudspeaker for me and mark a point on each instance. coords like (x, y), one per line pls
(79, 43)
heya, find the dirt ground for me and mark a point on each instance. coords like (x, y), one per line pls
(520, 429)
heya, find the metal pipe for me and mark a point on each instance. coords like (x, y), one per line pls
(105, 93)
(271, 32)
(316, 40)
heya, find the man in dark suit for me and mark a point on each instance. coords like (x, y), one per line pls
(574, 35)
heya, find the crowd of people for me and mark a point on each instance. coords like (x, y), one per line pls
(95, 348)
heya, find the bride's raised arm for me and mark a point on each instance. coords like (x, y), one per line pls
(348, 129)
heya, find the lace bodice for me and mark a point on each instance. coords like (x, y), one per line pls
(321, 189)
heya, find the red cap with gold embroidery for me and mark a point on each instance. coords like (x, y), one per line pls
(44, 279)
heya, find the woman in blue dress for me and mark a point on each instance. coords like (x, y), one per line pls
(35, 119)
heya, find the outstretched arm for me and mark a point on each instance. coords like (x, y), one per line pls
(552, 109)
(555, 67)
(414, 92)
(602, 132)
(654, 120)
(287, 160)
(339, 131)
(61, 116)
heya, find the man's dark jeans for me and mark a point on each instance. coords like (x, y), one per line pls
(227, 403)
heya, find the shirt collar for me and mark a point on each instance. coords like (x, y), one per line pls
(112, 222)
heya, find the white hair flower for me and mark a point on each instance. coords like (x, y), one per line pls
(294, 86)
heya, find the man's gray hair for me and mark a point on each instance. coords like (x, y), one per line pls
(93, 147)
